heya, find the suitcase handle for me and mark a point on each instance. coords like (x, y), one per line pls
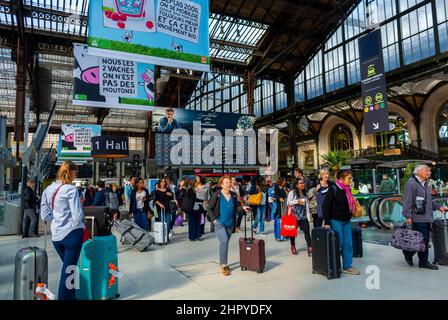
(245, 227)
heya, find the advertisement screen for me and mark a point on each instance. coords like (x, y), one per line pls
(75, 141)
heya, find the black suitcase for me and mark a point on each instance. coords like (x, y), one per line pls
(326, 252)
(440, 241)
(357, 242)
(103, 220)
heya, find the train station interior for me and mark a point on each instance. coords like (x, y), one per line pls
(304, 69)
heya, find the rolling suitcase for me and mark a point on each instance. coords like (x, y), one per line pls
(357, 242)
(97, 261)
(102, 218)
(440, 241)
(326, 253)
(161, 230)
(31, 269)
(278, 225)
(252, 252)
(132, 234)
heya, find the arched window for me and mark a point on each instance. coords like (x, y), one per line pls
(341, 138)
(397, 135)
(443, 130)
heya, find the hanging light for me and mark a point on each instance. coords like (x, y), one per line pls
(222, 30)
(178, 71)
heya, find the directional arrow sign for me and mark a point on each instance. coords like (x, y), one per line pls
(373, 83)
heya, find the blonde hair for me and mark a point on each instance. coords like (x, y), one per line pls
(322, 172)
(64, 171)
(221, 180)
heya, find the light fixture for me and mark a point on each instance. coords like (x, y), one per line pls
(222, 30)
(191, 72)
(178, 71)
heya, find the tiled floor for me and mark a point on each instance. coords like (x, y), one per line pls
(189, 270)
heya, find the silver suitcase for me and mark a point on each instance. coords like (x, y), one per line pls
(31, 268)
(161, 230)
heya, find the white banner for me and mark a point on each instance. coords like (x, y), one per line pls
(118, 78)
(180, 19)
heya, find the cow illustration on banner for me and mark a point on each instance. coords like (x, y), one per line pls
(111, 82)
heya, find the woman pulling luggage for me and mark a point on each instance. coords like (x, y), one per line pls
(338, 207)
(297, 198)
(223, 210)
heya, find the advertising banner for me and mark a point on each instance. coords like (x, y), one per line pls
(171, 33)
(373, 83)
(75, 141)
(111, 82)
(165, 120)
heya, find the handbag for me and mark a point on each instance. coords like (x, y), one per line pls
(255, 199)
(289, 224)
(358, 212)
(407, 239)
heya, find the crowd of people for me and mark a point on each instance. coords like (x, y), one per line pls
(225, 205)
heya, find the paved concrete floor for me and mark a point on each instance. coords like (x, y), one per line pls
(189, 270)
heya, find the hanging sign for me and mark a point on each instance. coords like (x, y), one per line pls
(373, 83)
(110, 147)
(112, 82)
(171, 33)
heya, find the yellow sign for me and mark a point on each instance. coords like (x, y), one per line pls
(368, 100)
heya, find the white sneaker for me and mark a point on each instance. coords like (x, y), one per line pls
(170, 234)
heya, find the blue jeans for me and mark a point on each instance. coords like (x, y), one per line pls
(259, 218)
(69, 250)
(344, 230)
(141, 219)
(223, 233)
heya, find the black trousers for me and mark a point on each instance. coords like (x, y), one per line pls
(425, 229)
(304, 225)
(194, 225)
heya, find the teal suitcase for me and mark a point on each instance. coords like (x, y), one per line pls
(94, 269)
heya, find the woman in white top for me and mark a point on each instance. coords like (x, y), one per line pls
(62, 206)
(297, 198)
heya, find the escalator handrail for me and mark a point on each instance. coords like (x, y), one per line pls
(379, 214)
(372, 215)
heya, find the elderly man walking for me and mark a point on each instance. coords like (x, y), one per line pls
(418, 209)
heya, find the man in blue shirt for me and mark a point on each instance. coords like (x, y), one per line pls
(167, 124)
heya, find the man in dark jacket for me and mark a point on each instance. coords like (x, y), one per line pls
(29, 214)
(418, 209)
(100, 195)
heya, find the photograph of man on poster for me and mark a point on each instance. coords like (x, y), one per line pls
(168, 123)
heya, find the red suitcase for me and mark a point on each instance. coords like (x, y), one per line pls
(252, 252)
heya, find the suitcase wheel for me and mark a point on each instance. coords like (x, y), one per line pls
(260, 271)
(314, 272)
(243, 268)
